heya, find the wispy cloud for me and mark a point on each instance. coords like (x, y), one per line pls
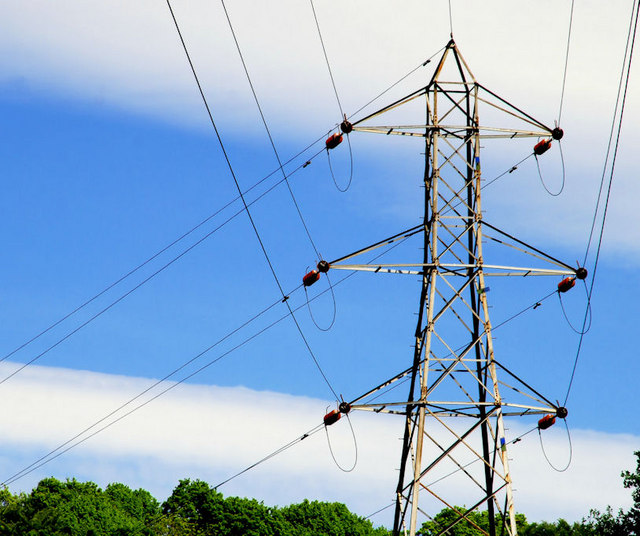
(213, 432)
(129, 57)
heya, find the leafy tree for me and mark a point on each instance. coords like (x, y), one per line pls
(73, 508)
(311, 518)
(624, 523)
(632, 481)
(11, 513)
(475, 524)
(209, 513)
(78, 509)
(559, 528)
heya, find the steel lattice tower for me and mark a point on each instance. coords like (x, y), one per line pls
(454, 372)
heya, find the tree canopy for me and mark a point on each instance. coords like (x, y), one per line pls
(55, 508)
(77, 508)
(194, 509)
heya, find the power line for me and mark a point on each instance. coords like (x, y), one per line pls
(173, 243)
(381, 509)
(69, 444)
(136, 287)
(342, 114)
(326, 59)
(397, 384)
(631, 38)
(246, 207)
(145, 391)
(611, 131)
(266, 127)
(279, 450)
(400, 80)
(566, 63)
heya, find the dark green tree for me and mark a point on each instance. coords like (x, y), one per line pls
(632, 481)
(207, 512)
(475, 524)
(78, 509)
(623, 523)
(559, 528)
(311, 518)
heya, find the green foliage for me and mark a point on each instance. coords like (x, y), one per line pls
(333, 519)
(194, 508)
(477, 524)
(207, 512)
(559, 528)
(623, 523)
(78, 509)
(73, 508)
(473, 524)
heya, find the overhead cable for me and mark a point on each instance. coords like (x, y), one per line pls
(631, 39)
(177, 240)
(152, 257)
(546, 457)
(326, 59)
(266, 127)
(628, 47)
(400, 80)
(279, 450)
(355, 445)
(275, 151)
(246, 207)
(130, 291)
(342, 114)
(72, 443)
(566, 63)
(142, 393)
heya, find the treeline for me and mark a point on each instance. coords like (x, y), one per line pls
(195, 509)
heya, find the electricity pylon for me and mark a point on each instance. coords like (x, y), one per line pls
(454, 372)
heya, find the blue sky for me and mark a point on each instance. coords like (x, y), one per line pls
(107, 157)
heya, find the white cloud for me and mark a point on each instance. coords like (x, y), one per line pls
(128, 56)
(212, 432)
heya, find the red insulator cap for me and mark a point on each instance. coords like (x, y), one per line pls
(566, 284)
(332, 417)
(333, 141)
(310, 278)
(546, 422)
(542, 147)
